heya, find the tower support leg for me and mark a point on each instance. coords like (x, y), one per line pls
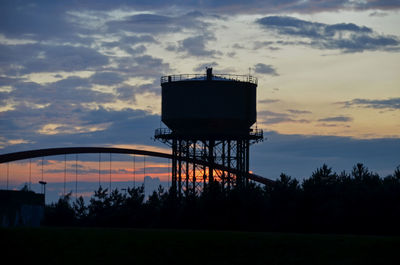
(232, 153)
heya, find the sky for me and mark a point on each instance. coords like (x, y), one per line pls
(87, 73)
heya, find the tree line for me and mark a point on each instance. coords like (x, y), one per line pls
(326, 202)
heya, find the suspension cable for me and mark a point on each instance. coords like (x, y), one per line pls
(134, 172)
(99, 170)
(8, 165)
(144, 169)
(65, 173)
(76, 176)
(42, 168)
(30, 174)
(110, 173)
(169, 170)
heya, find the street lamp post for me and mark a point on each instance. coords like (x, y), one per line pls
(43, 183)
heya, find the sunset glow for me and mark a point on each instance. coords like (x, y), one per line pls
(53, 171)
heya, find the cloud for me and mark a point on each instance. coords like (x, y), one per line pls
(54, 19)
(141, 49)
(133, 40)
(156, 23)
(129, 44)
(291, 26)
(379, 5)
(26, 122)
(268, 101)
(390, 103)
(270, 117)
(261, 68)
(144, 23)
(38, 21)
(336, 119)
(268, 44)
(85, 169)
(237, 46)
(74, 125)
(347, 37)
(145, 66)
(126, 93)
(378, 14)
(36, 58)
(202, 67)
(59, 108)
(295, 111)
(331, 125)
(251, 6)
(299, 155)
(107, 78)
(71, 90)
(197, 46)
(66, 58)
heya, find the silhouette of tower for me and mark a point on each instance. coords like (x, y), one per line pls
(209, 119)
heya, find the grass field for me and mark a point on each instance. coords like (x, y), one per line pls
(130, 246)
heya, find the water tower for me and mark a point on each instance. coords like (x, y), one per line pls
(209, 119)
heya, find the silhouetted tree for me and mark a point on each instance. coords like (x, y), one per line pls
(283, 202)
(60, 213)
(25, 188)
(80, 209)
(355, 202)
(133, 207)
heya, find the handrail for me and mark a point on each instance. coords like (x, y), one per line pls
(201, 77)
(166, 131)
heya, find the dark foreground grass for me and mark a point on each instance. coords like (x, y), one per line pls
(130, 246)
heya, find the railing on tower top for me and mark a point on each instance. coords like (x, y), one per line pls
(200, 77)
(258, 133)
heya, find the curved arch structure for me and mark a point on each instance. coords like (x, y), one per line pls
(10, 157)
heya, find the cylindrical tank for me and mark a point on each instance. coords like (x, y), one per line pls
(209, 104)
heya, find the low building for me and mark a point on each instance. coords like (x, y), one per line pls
(21, 208)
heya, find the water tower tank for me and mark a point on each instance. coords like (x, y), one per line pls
(209, 104)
